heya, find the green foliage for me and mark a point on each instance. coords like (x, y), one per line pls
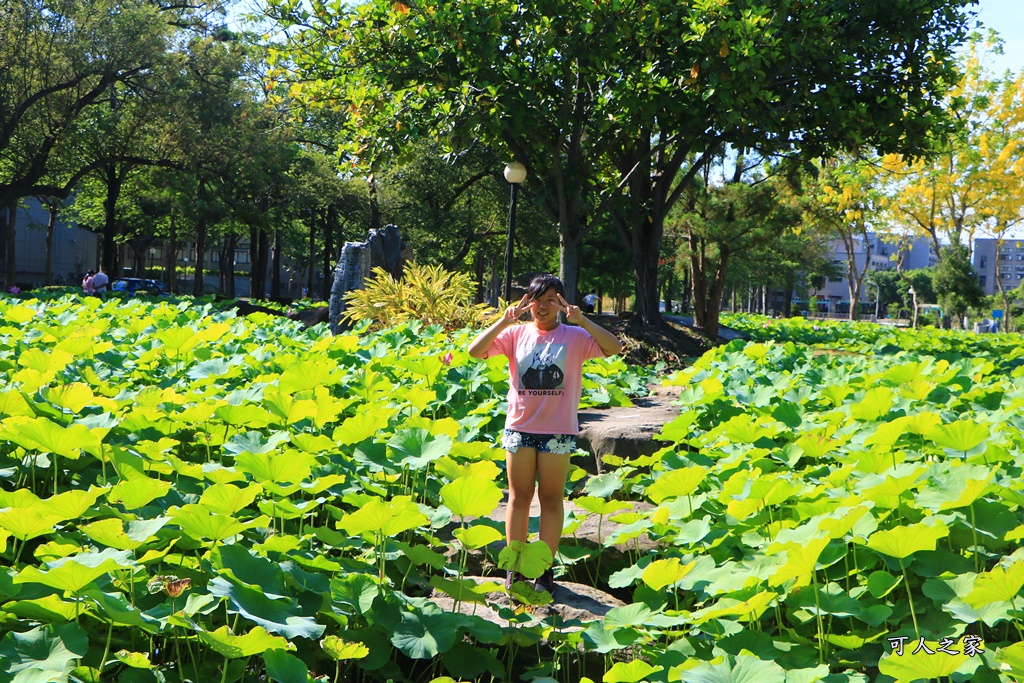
(956, 284)
(430, 294)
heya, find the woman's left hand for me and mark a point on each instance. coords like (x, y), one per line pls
(573, 314)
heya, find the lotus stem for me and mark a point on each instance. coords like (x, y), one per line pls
(974, 534)
(910, 597)
(106, 649)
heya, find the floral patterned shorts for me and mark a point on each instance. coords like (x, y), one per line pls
(512, 441)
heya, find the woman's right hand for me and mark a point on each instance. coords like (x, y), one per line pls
(515, 311)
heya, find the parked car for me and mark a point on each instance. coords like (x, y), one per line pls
(134, 285)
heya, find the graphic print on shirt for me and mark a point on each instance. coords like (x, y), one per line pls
(542, 370)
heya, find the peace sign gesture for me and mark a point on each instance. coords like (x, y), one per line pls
(573, 314)
(515, 311)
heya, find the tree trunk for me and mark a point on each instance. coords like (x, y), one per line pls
(329, 226)
(197, 277)
(227, 265)
(311, 259)
(275, 272)
(262, 248)
(568, 265)
(8, 244)
(50, 227)
(110, 223)
(171, 257)
(371, 186)
(255, 280)
(644, 253)
(707, 288)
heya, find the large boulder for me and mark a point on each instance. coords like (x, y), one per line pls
(627, 432)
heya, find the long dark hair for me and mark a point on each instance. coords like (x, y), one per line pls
(543, 283)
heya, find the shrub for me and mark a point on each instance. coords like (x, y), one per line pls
(428, 293)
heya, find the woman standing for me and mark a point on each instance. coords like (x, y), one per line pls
(545, 361)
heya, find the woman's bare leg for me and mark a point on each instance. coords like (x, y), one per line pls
(521, 467)
(552, 469)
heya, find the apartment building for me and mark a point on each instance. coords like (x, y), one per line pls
(920, 255)
(997, 262)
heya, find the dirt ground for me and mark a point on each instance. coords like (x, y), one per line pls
(674, 345)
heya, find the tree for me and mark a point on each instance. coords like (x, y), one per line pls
(610, 107)
(956, 284)
(961, 186)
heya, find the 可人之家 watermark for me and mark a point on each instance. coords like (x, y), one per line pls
(971, 646)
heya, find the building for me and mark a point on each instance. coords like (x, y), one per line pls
(74, 250)
(997, 263)
(920, 255)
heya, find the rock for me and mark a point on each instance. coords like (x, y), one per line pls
(626, 432)
(383, 248)
(570, 602)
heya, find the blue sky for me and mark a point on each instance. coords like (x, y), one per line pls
(1005, 17)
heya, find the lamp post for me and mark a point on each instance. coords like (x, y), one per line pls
(913, 297)
(878, 295)
(515, 173)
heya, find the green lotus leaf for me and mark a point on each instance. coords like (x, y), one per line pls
(178, 339)
(999, 584)
(284, 667)
(44, 435)
(281, 616)
(962, 435)
(1012, 657)
(111, 532)
(42, 655)
(471, 497)
(529, 559)
(663, 573)
(313, 443)
(43, 362)
(679, 429)
(744, 610)
(276, 468)
(881, 583)
(361, 427)
(137, 493)
(424, 636)
(827, 599)
(480, 469)
(957, 486)
(478, 536)
(676, 483)
(248, 415)
(630, 672)
(71, 398)
(19, 314)
(740, 669)
(604, 485)
(888, 489)
(465, 590)
(852, 641)
(353, 593)
(135, 660)
(255, 642)
(72, 574)
(904, 541)
(910, 667)
(47, 609)
(417, 448)
(635, 614)
(287, 408)
(254, 442)
(386, 518)
(249, 569)
(422, 555)
(338, 649)
(601, 506)
(801, 561)
(27, 523)
(12, 402)
(115, 608)
(227, 499)
(604, 640)
(874, 404)
(308, 374)
(201, 524)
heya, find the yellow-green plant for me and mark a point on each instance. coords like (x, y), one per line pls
(429, 293)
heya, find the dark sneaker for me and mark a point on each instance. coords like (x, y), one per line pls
(513, 577)
(545, 582)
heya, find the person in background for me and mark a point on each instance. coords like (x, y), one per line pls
(100, 281)
(590, 302)
(87, 287)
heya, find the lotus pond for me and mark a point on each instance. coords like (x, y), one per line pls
(188, 495)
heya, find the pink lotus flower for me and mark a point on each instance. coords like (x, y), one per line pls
(447, 358)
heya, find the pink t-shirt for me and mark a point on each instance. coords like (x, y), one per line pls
(545, 370)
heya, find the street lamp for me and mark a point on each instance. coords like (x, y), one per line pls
(878, 295)
(515, 173)
(913, 297)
